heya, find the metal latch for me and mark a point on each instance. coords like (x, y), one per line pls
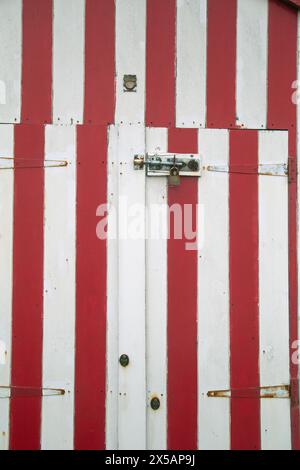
(15, 391)
(173, 165)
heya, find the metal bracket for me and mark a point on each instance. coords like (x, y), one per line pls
(161, 164)
(14, 392)
(25, 163)
(277, 391)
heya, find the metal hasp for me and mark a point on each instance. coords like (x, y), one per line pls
(172, 165)
(277, 391)
(14, 391)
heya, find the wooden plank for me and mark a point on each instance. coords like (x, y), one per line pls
(213, 294)
(37, 62)
(282, 114)
(90, 343)
(221, 63)
(11, 60)
(6, 251)
(191, 63)
(112, 348)
(252, 59)
(182, 306)
(156, 296)
(160, 63)
(244, 315)
(68, 61)
(130, 59)
(59, 288)
(99, 83)
(28, 254)
(273, 291)
(132, 379)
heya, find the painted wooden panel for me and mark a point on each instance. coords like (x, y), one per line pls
(213, 293)
(273, 291)
(6, 268)
(59, 288)
(10, 58)
(156, 295)
(191, 63)
(68, 61)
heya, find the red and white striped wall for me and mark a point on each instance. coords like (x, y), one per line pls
(212, 77)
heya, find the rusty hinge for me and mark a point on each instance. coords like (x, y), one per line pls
(15, 391)
(11, 163)
(276, 391)
(268, 169)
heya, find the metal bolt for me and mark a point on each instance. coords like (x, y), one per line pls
(155, 403)
(124, 360)
(193, 165)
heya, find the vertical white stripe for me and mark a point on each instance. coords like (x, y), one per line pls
(273, 292)
(68, 61)
(191, 63)
(156, 296)
(132, 380)
(6, 249)
(252, 54)
(112, 366)
(213, 294)
(59, 288)
(297, 346)
(10, 60)
(130, 59)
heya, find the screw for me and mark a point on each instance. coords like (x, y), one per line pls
(193, 165)
(155, 403)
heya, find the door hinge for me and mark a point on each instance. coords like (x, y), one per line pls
(10, 163)
(276, 391)
(15, 391)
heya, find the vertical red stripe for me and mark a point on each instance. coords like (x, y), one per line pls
(27, 314)
(221, 63)
(160, 63)
(99, 103)
(182, 311)
(37, 62)
(244, 315)
(90, 362)
(282, 114)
